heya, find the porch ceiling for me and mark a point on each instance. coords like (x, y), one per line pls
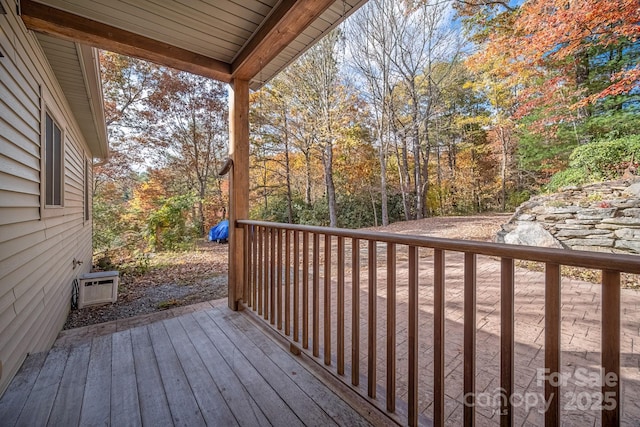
(222, 39)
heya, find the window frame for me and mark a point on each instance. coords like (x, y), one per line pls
(49, 109)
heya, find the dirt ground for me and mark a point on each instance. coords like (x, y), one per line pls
(477, 227)
(168, 280)
(163, 281)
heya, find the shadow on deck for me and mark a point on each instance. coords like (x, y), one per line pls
(209, 367)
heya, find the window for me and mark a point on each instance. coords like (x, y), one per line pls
(53, 163)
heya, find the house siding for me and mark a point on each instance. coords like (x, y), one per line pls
(36, 251)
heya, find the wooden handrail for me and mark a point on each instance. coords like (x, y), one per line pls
(595, 260)
(269, 268)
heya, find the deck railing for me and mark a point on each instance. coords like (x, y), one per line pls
(283, 285)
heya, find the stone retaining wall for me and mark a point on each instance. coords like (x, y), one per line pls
(602, 217)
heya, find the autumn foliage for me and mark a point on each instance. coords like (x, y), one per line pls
(410, 109)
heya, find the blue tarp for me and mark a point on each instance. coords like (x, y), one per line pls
(219, 233)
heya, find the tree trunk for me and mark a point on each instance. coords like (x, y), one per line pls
(201, 219)
(375, 211)
(439, 179)
(403, 175)
(287, 170)
(331, 189)
(307, 165)
(383, 185)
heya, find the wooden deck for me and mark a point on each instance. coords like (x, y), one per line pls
(211, 367)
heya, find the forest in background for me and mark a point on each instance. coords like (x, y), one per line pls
(409, 109)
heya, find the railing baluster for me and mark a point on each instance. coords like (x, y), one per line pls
(391, 327)
(340, 323)
(267, 271)
(610, 343)
(355, 311)
(246, 283)
(263, 292)
(506, 339)
(552, 323)
(438, 338)
(296, 286)
(316, 295)
(287, 282)
(305, 289)
(272, 277)
(372, 319)
(254, 274)
(413, 336)
(469, 379)
(279, 281)
(327, 299)
(260, 268)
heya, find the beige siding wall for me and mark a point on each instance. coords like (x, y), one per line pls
(36, 251)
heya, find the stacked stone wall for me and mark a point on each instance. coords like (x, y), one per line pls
(602, 217)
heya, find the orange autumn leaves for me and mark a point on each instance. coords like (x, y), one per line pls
(542, 49)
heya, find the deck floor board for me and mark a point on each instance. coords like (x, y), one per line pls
(238, 398)
(308, 411)
(16, 396)
(38, 406)
(335, 407)
(154, 407)
(182, 402)
(274, 407)
(68, 403)
(212, 405)
(125, 407)
(203, 368)
(96, 402)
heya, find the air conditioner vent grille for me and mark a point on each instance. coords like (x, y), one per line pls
(98, 288)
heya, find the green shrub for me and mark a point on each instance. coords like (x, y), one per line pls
(598, 161)
(169, 228)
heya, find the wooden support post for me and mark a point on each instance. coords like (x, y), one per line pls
(238, 184)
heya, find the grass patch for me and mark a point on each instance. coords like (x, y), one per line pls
(170, 303)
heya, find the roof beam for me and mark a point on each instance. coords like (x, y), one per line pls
(288, 21)
(58, 23)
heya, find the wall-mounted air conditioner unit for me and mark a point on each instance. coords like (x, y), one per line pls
(98, 288)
